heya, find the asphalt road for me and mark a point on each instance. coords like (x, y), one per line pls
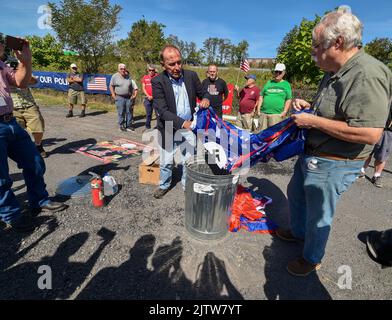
(136, 247)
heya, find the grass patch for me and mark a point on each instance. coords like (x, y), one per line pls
(48, 99)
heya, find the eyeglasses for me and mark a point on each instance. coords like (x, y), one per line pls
(278, 72)
(151, 70)
(122, 69)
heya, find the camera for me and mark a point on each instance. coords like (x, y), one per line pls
(12, 42)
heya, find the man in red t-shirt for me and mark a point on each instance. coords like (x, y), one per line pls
(249, 97)
(147, 89)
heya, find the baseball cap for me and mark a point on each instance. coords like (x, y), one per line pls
(73, 65)
(250, 76)
(280, 67)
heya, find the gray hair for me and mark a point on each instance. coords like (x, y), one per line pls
(340, 23)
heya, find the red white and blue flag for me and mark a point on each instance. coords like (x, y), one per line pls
(244, 66)
(97, 83)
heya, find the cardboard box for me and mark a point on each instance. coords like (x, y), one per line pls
(149, 170)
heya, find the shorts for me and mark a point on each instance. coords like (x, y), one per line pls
(30, 118)
(383, 148)
(74, 96)
(268, 120)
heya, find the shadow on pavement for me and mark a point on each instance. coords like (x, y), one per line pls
(95, 113)
(165, 280)
(10, 243)
(64, 277)
(70, 147)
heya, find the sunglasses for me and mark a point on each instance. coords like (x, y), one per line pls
(278, 72)
(151, 70)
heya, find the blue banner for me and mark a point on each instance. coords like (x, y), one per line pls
(92, 83)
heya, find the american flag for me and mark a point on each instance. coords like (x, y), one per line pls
(245, 65)
(97, 83)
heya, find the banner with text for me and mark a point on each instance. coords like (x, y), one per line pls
(92, 83)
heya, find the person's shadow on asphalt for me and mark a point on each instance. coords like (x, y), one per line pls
(22, 281)
(213, 283)
(128, 281)
(10, 242)
(165, 279)
(280, 285)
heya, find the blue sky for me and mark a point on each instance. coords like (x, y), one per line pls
(262, 23)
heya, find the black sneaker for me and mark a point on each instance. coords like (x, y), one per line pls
(130, 129)
(82, 114)
(41, 151)
(122, 128)
(69, 114)
(377, 182)
(24, 223)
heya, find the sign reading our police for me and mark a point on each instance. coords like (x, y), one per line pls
(51, 80)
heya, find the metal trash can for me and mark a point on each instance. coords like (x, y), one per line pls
(209, 195)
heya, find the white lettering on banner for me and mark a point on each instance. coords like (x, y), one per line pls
(61, 81)
(44, 79)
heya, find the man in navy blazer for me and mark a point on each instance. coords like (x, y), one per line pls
(175, 91)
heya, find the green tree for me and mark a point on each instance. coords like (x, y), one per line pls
(381, 49)
(47, 53)
(239, 52)
(295, 52)
(144, 41)
(86, 28)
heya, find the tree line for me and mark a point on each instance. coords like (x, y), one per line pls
(88, 29)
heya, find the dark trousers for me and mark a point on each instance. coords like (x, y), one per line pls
(148, 106)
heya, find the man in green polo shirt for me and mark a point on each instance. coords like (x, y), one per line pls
(350, 108)
(275, 99)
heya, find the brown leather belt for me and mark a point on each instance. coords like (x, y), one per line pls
(335, 157)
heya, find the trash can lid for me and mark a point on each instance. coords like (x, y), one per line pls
(75, 187)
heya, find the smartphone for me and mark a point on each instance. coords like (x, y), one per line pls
(14, 43)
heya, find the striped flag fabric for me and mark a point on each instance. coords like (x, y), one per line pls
(97, 83)
(245, 65)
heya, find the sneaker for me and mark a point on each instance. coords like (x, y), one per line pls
(41, 151)
(159, 193)
(129, 129)
(377, 182)
(300, 267)
(50, 206)
(122, 129)
(82, 114)
(361, 175)
(24, 223)
(286, 235)
(69, 114)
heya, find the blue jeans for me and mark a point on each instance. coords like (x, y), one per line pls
(186, 141)
(124, 113)
(16, 144)
(313, 193)
(148, 106)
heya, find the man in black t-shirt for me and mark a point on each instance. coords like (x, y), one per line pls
(76, 91)
(216, 89)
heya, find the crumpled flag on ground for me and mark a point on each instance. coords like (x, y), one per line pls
(248, 212)
(281, 141)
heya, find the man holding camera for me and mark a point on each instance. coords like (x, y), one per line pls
(16, 144)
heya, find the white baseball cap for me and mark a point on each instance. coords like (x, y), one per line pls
(280, 67)
(73, 65)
